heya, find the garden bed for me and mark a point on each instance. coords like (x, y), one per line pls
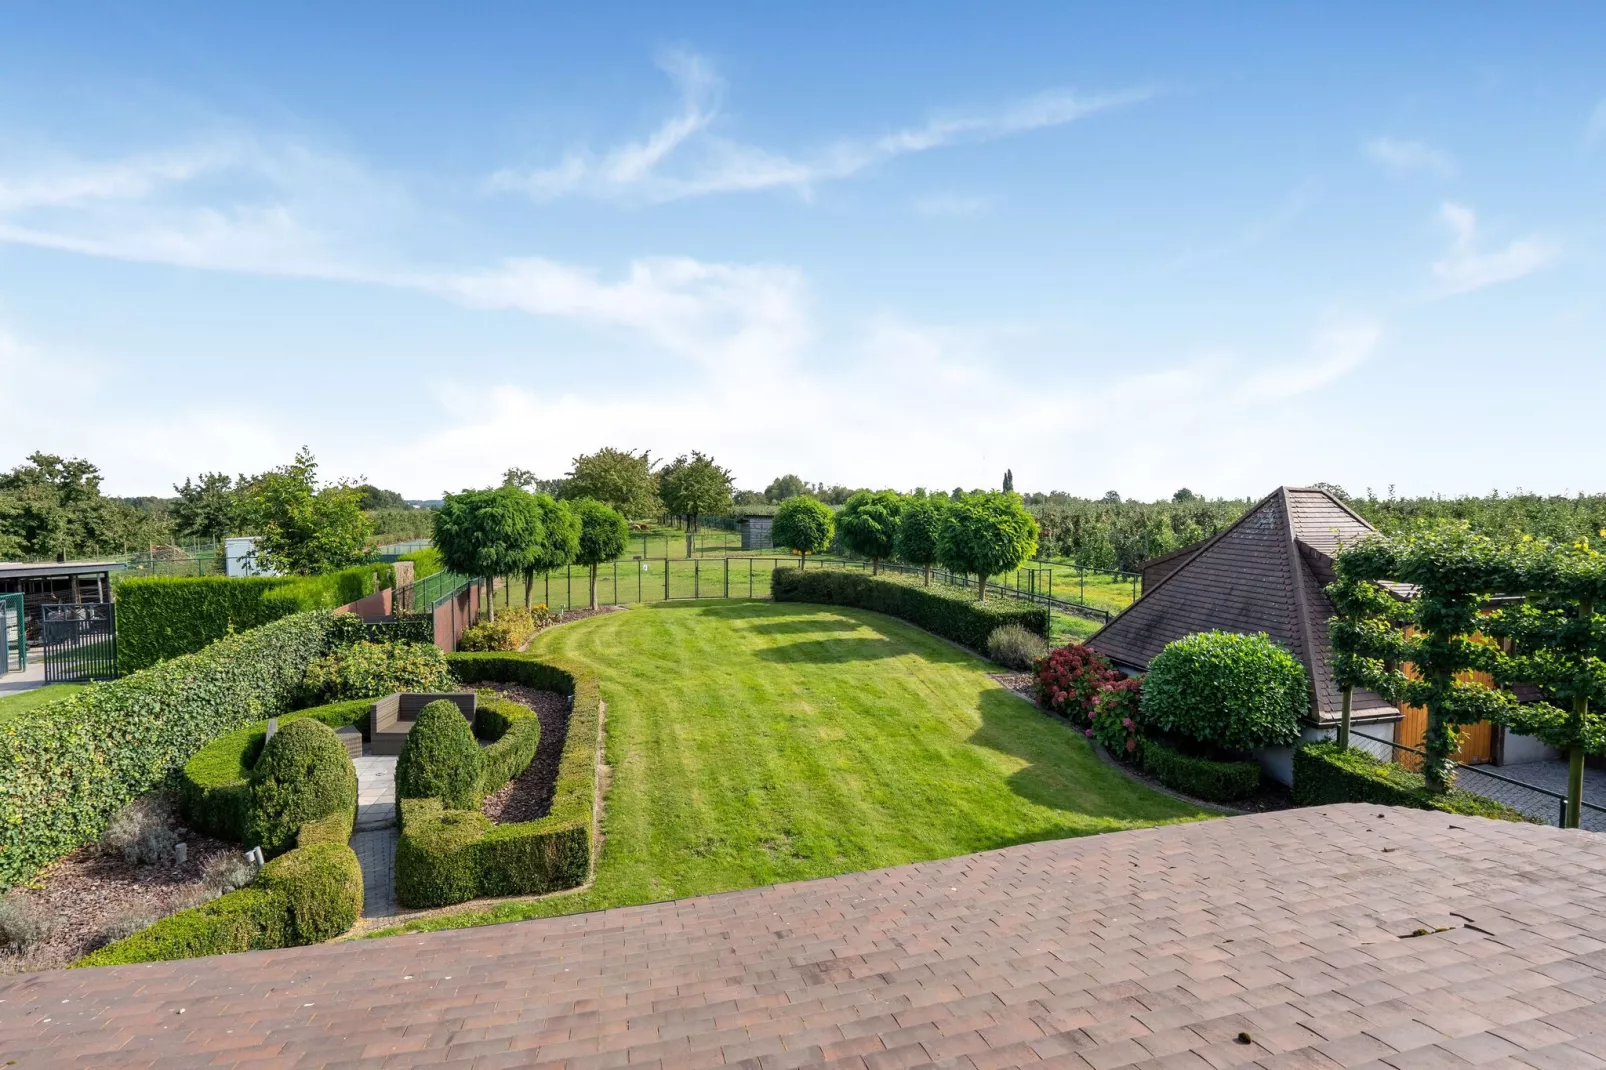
(528, 796)
(90, 891)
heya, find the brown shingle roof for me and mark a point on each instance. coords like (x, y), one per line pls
(1263, 574)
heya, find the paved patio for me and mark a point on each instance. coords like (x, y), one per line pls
(1286, 941)
(1551, 775)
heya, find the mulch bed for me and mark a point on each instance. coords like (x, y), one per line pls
(1018, 682)
(528, 796)
(88, 889)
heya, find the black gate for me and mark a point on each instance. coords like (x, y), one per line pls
(79, 642)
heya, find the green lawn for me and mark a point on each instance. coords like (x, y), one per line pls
(22, 701)
(752, 743)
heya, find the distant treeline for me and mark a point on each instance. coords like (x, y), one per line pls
(1116, 533)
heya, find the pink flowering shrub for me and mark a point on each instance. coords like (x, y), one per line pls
(1114, 719)
(1069, 680)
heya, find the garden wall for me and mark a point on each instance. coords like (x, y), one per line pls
(66, 768)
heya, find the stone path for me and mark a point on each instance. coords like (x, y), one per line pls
(1346, 936)
(375, 837)
(1551, 775)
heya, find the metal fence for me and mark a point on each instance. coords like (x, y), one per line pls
(78, 641)
(1035, 585)
(13, 634)
(1539, 802)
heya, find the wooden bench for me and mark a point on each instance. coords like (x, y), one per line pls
(392, 717)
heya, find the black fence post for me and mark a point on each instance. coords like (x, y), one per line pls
(666, 570)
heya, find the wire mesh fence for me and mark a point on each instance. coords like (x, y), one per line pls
(1539, 800)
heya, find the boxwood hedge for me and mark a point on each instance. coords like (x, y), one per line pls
(1324, 773)
(950, 614)
(66, 768)
(214, 785)
(304, 774)
(440, 757)
(1203, 778)
(162, 617)
(448, 856)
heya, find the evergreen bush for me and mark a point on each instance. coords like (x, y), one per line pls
(304, 774)
(370, 670)
(1236, 692)
(440, 758)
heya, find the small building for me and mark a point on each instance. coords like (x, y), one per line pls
(240, 557)
(757, 532)
(56, 582)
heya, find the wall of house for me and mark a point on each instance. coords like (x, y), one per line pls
(1526, 749)
(1277, 763)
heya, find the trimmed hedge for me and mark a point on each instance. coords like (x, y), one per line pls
(67, 767)
(1203, 778)
(304, 774)
(215, 785)
(449, 856)
(1325, 774)
(163, 617)
(951, 615)
(440, 757)
(1236, 692)
(310, 895)
(516, 732)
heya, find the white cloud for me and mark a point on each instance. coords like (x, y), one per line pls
(1335, 353)
(1466, 267)
(1409, 157)
(952, 204)
(684, 157)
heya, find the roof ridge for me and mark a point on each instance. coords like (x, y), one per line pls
(1296, 576)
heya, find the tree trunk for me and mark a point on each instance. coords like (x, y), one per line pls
(1343, 719)
(1438, 745)
(802, 562)
(875, 566)
(1575, 778)
(594, 586)
(490, 598)
(981, 588)
(928, 575)
(529, 581)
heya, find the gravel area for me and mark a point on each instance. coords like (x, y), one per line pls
(89, 890)
(528, 796)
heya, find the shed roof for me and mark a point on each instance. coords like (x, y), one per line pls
(13, 570)
(1265, 573)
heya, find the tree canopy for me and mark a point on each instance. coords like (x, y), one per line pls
(623, 479)
(694, 486)
(986, 533)
(868, 524)
(489, 533)
(784, 487)
(302, 528)
(52, 507)
(604, 534)
(919, 524)
(206, 508)
(805, 525)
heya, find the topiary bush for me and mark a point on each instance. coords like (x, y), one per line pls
(1015, 647)
(1236, 692)
(440, 758)
(1203, 778)
(369, 670)
(321, 886)
(304, 774)
(1069, 681)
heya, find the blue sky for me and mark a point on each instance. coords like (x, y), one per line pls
(1117, 246)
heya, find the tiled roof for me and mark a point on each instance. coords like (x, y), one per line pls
(1311, 939)
(1263, 574)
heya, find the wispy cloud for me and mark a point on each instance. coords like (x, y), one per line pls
(952, 204)
(1595, 126)
(1467, 267)
(686, 157)
(1409, 157)
(1335, 353)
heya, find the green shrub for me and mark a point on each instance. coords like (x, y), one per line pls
(1203, 778)
(1115, 719)
(515, 732)
(950, 615)
(1237, 692)
(304, 774)
(369, 670)
(510, 630)
(321, 885)
(66, 768)
(215, 784)
(1325, 774)
(426, 562)
(163, 617)
(440, 759)
(449, 856)
(1015, 647)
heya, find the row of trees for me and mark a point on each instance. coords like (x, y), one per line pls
(980, 534)
(1518, 610)
(509, 531)
(691, 486)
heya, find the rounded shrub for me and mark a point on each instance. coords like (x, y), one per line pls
(304, 774)
(1069, 681)
(440, 759)
(1015, 647)
(1236, 692)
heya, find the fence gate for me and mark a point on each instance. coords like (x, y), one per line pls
(79, 642)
